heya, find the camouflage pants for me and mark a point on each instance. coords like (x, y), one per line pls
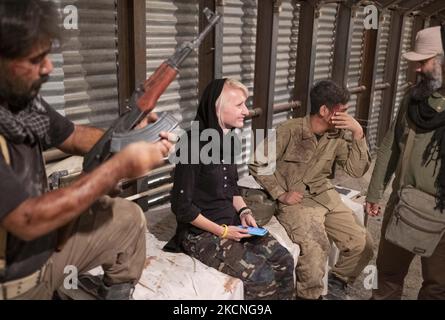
(265, 267)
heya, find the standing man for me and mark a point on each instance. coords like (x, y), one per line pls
(309, 208)
(105, 232)
(421, 110)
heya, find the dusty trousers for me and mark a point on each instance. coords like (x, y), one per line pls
(110, 234)
(312, 226)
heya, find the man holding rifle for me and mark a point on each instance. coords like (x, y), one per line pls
(104, 231)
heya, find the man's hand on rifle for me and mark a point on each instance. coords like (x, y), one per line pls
(140, 157)
(150, 118)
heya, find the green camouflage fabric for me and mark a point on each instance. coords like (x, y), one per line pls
(265, 267)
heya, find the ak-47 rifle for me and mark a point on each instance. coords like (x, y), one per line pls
(142, 102)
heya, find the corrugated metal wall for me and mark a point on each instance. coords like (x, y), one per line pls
(376, 98)
(325, 38)
(168, 24)
(239, 39)
(286, 57)
(54, 90)
(355, 55)
(83, 85)
(402, 82)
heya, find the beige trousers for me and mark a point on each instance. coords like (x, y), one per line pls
(110, 234)
(312, 226)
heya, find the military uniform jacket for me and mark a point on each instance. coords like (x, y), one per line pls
(303, 162)
(419, 175)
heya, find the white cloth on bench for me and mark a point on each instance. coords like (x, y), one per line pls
(177, 276)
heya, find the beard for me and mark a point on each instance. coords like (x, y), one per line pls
(428, 83)
(16, 95)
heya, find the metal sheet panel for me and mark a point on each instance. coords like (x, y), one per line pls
(169, 24)
(402, 81)
(355, 55)
(286, 57)
(239, 39)
(376, 100)
(239, 34)
(83, 85)
(89, 64)
(53, 91)
(325, 40)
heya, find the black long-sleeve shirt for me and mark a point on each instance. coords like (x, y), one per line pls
(206, 189)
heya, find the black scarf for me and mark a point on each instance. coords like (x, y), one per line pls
(207, 119)
(427, 119)
(206, 114)
(27, 126)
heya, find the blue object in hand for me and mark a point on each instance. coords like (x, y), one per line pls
(255, 231)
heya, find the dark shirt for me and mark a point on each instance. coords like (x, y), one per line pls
(207, 189)
(26, 178)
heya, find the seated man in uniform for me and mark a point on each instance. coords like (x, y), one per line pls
(109, 232)
(309, 208)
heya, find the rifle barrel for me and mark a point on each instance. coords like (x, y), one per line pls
(182, 52)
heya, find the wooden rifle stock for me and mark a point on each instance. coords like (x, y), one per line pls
(155, 86)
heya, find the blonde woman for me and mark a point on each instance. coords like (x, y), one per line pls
(209, 208)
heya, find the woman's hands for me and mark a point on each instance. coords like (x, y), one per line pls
(236, 233)
(247, 219)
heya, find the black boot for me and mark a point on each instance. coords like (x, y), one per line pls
(121, 291)
(92, 287)
(337, 289)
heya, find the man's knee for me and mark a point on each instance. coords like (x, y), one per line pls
(312, 261)
(360, 244)
(128, 215)
(368, 246)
